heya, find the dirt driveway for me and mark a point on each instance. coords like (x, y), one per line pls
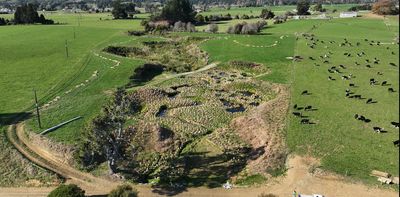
(297, 178)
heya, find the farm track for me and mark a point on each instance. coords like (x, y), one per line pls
(39, 156)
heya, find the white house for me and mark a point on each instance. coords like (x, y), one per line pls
(348, 14)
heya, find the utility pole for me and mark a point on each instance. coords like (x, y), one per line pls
(37, 109)
(74, 33)
(66, 48)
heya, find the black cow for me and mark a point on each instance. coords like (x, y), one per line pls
(379, 73)
(369, 101)
(362, 118)
(396, 143)
(372, 81)
(295, 106)
(368, 66)
(308, 108)
(391, 90)
(384, 83)
(305, 92)
(342, 66)
(352, 85)
(298, 114)
(305, 121)
(378, 129)
(392, 64)
(395, 124)
(331, 78)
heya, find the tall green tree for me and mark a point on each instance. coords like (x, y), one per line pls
(118, 11)
(302, 7)
(178, 10)
(27, 14)
(267, 14)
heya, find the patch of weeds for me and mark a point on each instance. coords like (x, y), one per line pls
(251, 180)
(277, 171)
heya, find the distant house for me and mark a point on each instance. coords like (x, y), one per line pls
(5, 11)
(298, 17)
(348, 14)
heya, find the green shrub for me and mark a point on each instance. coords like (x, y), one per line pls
(70, 190)
(123, 191)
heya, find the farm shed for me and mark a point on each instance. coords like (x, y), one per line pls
(348, 14)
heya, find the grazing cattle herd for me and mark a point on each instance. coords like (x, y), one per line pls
(313, 42)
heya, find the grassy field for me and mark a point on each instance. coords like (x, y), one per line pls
(278, 10)
(33, 56)
(348, 146)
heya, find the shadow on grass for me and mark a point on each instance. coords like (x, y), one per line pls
(13, 118)
(202, 170)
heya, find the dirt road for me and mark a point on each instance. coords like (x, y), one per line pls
(297, 178)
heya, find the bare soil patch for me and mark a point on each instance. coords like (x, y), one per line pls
(262, 128)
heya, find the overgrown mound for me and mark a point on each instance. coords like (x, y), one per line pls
(125, 51)
(177, 131)
(146, 73)
(176, 54)
(245, 64)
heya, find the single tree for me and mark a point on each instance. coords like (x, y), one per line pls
(200, 19)
(70, 190)
(3, 21)
(302, 7)
(318, 8)
(267, 14)
(385, 7)
(212, 28)
(178, 10)
(120, 10)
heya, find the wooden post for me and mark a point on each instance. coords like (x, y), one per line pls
(37, 109)
(66, 48)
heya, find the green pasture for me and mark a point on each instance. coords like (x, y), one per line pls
(347, 146)
(33, 56)
(278, 10)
